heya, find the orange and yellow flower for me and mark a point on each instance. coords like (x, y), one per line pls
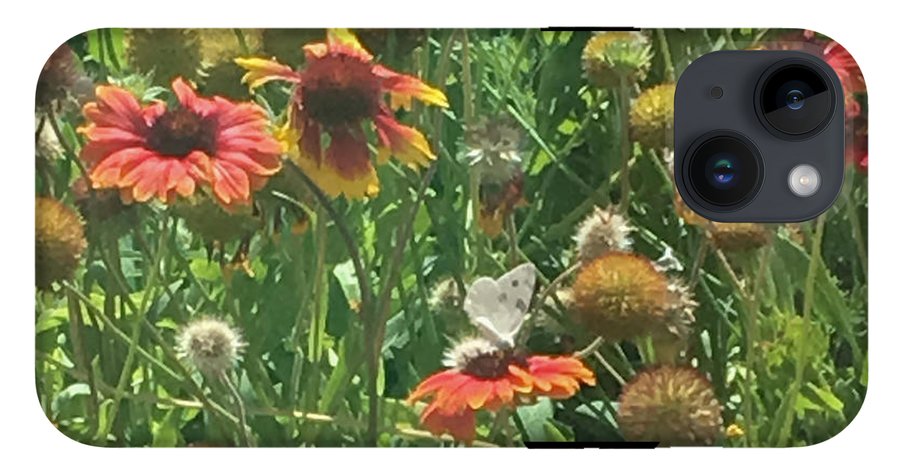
(154, 150)
(338, 94)
(484, 376)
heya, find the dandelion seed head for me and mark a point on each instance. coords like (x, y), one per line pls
(602, 231)
(210, 344)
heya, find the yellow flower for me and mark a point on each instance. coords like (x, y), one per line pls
(652, 116)
(339, 93)
(734, 431)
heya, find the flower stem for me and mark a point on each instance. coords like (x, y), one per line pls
(590, 348)
(815, 260)
(375, 323)
(624, 97)
(246, 438)
(365, 286)
(135, 336)
(666, 54)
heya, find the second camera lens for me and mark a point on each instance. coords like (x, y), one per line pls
(723, 170)
(795, 99)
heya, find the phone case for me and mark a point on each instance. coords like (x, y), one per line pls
(423, 238)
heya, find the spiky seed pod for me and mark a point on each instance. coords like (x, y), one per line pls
(620, 296)
(59, 74)
(206, 218)
(738, 237)
(652, 116)
(675, 406)
(219, 45)
(286, 44)
(602, 231)
(58, 241)
(494, 150)
(167, 52)
(103, 211)
(380, 41)
(613, 57)
(210, 345)
(671, 341)
(681, 307)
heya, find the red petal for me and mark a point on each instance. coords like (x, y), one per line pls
(189, 99)
(230, 183)
(116, 107)
(461, 425)
(348, 153)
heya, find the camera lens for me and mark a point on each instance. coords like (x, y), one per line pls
(796, 98)
(723, 170)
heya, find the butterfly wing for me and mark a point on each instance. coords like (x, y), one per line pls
(498, 308)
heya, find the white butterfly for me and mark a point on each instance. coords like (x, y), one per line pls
(498, 308)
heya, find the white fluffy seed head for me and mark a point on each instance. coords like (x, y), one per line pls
(494, 150)
(445, 295)
(602, 231)
(210, 345)
(465, 351)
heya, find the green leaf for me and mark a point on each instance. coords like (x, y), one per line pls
(206, 270)
(51, 319)
(534, 417)
(552, 432)
(339, 311)
(827, 397)
(165, 432)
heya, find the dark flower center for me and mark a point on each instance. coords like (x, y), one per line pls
(340, 90)
(495, 364)
(179, 132)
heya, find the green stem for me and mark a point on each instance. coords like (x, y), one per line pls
(149, 290)
(317, 320)
(242, 41)
(666, 54)
(751, 334)
(475, 234)
(76, 327)
(244, 429)
(376, 322)
(367, 296)
(521, 50)
(624, 97)
(815, 260)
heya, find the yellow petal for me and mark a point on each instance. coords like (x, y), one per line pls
(261, 71)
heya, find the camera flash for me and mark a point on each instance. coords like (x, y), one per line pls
(803, 180)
